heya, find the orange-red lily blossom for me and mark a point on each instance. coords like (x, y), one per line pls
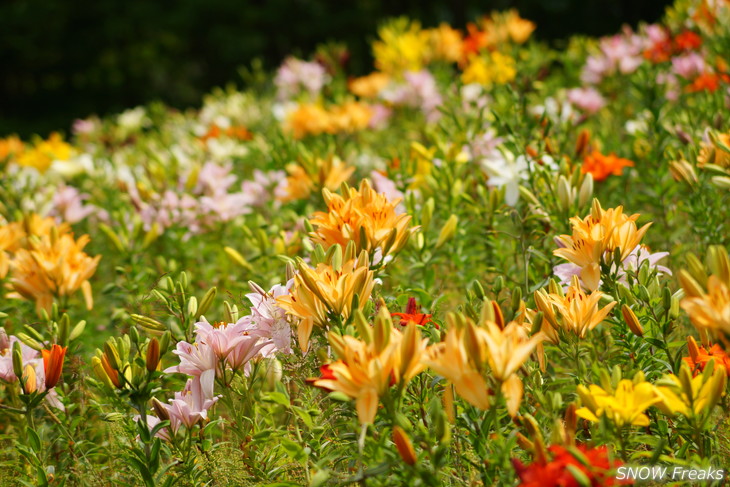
(53, 364)
(601, 166)
(412, 315)
(699, 357)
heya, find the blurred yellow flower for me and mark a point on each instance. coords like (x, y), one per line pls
(10, 147)
(403, 46)
(624, 406)
(313, 176)
(369, 86)
(325, 293)
(489, 68)
(42, 155)
(716, 152)
(710, 310)
(447, 43)
(314, 119)
(692, 396)
(363, 216)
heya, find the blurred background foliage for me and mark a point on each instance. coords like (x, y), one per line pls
(63, 60)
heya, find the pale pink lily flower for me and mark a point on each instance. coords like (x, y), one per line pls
(236, 343)
(267, 320)
(6, 359)
(153, 421)
(195, 359)
(191, 405)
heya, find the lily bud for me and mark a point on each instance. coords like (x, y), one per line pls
(96, 364)
(631, 320)
(160, 409)
(581, 144)
(53, 364)
(447, 231)
(565, 193)
(404, 446)
(683, 171)
(691, 287)
(17, 360)
(29, 379)
(586, 190)
(152, 359)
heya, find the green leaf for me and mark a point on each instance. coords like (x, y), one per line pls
(276, 397)
(33, 440)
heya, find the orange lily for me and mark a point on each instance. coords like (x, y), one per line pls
(53, 364)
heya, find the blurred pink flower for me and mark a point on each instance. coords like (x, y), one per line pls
(688, 65)
(295, 76)
(587, 99)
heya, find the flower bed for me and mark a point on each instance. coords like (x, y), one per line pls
(486, 263)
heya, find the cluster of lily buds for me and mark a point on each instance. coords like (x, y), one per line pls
(119, 368)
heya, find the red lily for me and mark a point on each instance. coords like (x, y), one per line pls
(412, 315)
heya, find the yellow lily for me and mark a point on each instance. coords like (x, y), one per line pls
(692, 396)
(576, 311)
(624, 406)
(320, 292)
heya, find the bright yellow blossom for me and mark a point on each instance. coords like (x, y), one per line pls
(692, 396)
(42, 155)
(624, 406)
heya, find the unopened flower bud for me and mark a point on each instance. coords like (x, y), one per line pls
(404, 446)
(29, 379)
(447, 231)
(160, 409)
(153, 355)
(17, 360)
(631, 320)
